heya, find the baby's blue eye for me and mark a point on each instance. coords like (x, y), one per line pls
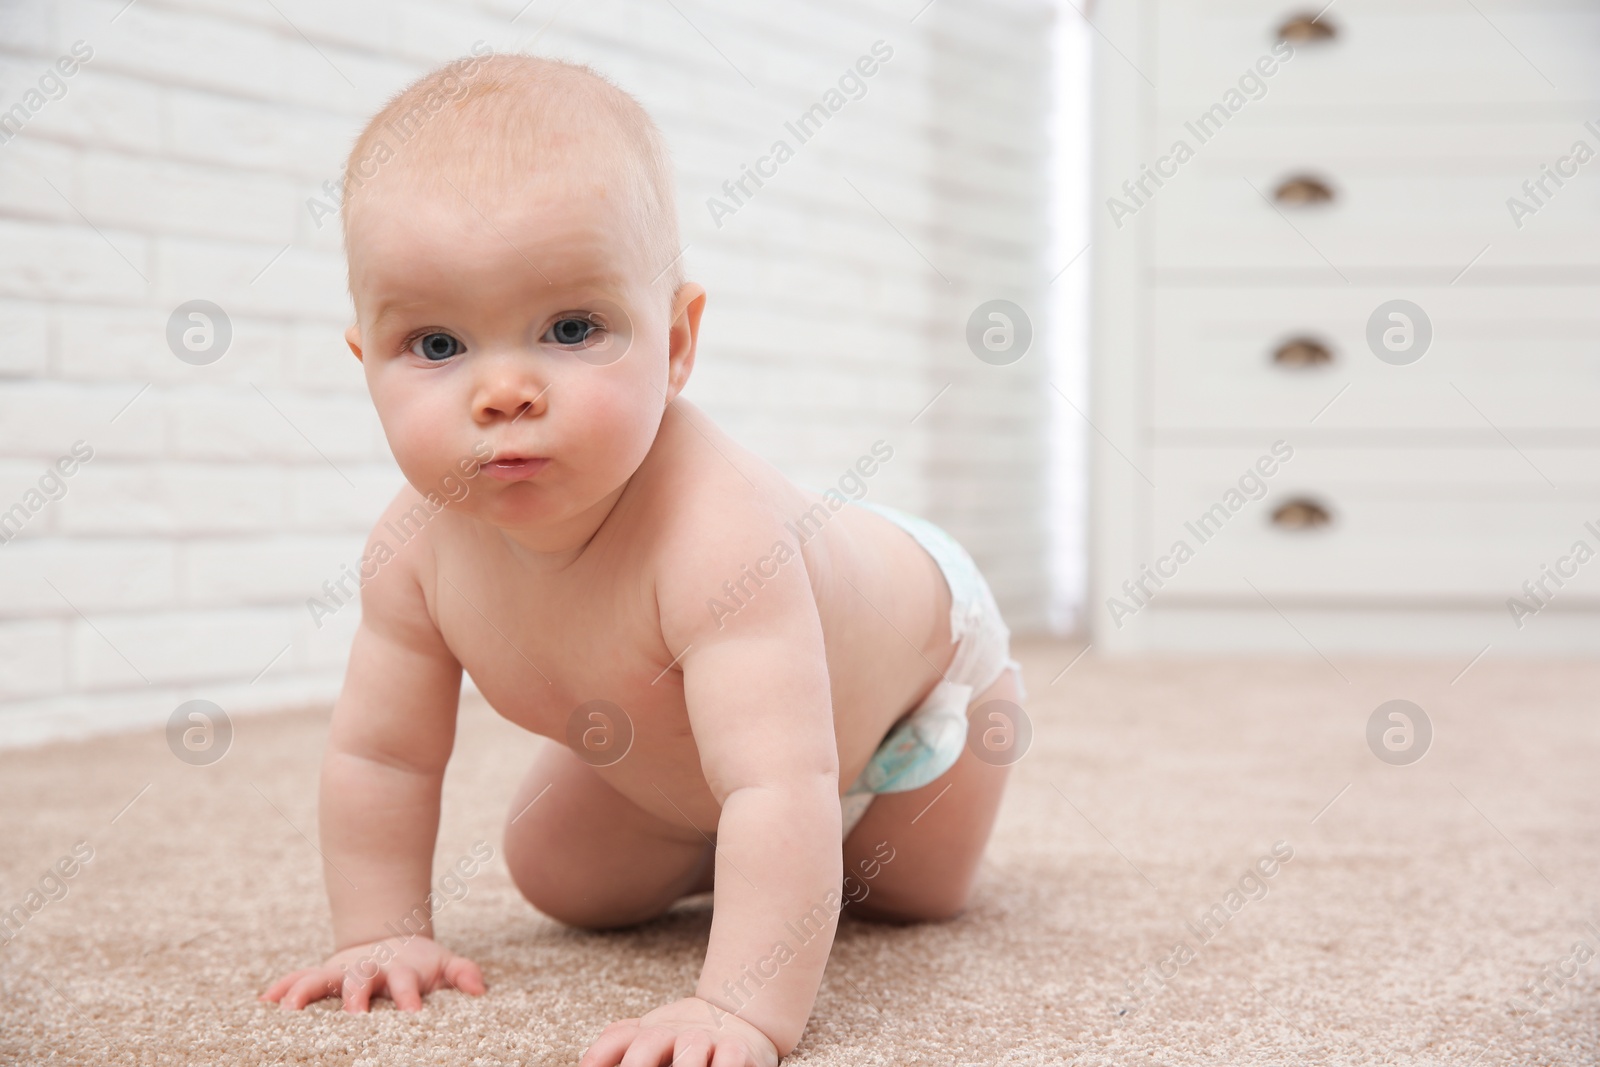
(572, 331)
(436, 347)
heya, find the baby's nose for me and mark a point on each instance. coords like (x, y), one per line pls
(505, 392)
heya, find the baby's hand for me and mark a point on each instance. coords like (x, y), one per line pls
(687, 1033)
(407, 969)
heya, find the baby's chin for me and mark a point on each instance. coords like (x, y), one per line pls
(524, 506)
(515, 508)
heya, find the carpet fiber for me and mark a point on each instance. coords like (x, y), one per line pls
(1438, 913)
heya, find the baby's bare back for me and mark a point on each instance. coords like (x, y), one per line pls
(540, 639)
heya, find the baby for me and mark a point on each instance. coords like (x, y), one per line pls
(756, 689)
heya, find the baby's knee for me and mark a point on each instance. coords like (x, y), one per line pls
(572, 910)
(559, 882)
(573, 901)
(928, 905)
(539, 870)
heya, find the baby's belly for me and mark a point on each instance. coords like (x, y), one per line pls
(641, 743)
(636, 737)
(613, 702)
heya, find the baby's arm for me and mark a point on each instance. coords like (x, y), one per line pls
(763, 721)
(758, 699)
(392, 732)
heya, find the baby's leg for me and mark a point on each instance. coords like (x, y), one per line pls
(937, 833)
(585, 855)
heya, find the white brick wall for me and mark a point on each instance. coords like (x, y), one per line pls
(178, 164)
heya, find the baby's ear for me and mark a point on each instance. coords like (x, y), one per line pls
(352, 337)
(683, 335)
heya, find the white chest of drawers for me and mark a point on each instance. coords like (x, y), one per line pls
(1270, 182)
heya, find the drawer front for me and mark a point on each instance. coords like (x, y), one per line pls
(1518, 360)
(1421, 526)
(1385, 53)
(1398, 198)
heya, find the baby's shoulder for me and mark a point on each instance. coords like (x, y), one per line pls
(713, 515)
(391, 571)
(401, 538)
(715, 512)
(704, 492)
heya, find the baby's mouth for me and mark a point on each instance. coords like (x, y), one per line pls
(514, 468)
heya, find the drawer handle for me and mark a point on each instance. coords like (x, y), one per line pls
(1302, 352)
(1300, 514)
(1303, 190)
(1307, 29)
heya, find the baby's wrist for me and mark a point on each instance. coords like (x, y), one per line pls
(359, 934)
(723, 1018)
(781, 1028)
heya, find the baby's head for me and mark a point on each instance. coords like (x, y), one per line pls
(513, 250)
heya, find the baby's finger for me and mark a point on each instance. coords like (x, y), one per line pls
(314, 986)
(692, 1049)
(463, 974)
(358, 990)
(613, 1041)
(651, 1048)
(405, 988)
(730, 1053)
(276, 991)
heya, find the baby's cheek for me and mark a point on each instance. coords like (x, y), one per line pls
(619, 421)
(419, 436)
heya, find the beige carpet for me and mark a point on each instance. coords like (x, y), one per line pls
(1415, 910)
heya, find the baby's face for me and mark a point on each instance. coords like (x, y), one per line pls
(527, 321)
